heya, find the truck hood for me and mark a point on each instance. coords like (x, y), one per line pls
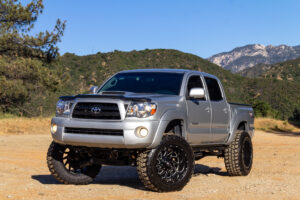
(147, 95)
(120, 95)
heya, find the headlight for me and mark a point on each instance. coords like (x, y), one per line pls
(63, 107)
(141, 109)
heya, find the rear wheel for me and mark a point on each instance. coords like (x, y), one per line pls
(238, 155)
(68, 165)
(168, 167)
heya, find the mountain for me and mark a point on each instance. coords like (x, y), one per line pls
(248, 56)
(288, 70)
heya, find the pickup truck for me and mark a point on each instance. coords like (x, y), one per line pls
(159, 120)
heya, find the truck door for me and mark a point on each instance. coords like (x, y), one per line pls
(198, 114)
(220, 111)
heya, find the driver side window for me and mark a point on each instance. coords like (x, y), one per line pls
(194, 82)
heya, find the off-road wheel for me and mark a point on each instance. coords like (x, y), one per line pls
(66, 164)
(168, 167)
(238, 156)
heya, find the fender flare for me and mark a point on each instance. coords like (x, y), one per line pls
(166, 118)
(241, 118)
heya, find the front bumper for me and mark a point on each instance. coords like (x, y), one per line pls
(128, 140)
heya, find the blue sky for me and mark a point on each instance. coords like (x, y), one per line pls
(200, 27)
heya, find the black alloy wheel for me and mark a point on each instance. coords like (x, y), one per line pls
(247, 153)
(171, 163)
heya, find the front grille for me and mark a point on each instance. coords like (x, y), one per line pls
(85, 110)
(94, 131)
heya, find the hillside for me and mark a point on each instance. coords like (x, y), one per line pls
(288, 70)
(248, 56)
(72, 74)
(84, 71)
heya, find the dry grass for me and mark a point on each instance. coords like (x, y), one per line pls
(273, 125)
(18, 125)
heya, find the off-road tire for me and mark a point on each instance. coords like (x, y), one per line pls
(238, 156)
(59, 171)
(147, 163)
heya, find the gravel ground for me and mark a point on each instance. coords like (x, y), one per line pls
(275, 174)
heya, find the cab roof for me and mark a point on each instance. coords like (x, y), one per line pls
(169, 71)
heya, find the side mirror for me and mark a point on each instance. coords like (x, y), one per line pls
(93, 89)
(197, 93)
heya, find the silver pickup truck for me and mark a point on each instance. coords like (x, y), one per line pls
(159, 120)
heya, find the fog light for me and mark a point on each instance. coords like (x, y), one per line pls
(142, 132)
(53, 128)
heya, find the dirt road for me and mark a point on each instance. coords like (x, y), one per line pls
(275, 174)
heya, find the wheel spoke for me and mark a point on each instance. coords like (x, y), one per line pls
(71, 159)
(171, 163)
(67, 162)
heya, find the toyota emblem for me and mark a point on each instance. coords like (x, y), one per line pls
(96, 109)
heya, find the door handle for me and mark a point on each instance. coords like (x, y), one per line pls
(225, 110)
(207, 109)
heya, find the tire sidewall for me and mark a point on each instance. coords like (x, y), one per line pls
(56, 163)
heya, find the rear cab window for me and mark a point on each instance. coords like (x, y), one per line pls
(214, 90)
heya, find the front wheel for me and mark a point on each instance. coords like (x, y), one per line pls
(66, 164)
(168, 167)
(238, 156)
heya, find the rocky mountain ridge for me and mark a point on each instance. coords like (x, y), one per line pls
(248, 56)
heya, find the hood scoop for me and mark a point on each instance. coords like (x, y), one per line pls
(113, 92)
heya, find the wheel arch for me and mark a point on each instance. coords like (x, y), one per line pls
(171, 127)
(240, 124)
(169, 119)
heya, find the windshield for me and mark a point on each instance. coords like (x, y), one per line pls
(145, 82)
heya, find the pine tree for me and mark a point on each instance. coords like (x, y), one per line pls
(16, 22)
(25, 73)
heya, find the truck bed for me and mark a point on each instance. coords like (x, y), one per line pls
(239, 104)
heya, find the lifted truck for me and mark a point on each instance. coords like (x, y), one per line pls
(160, 120)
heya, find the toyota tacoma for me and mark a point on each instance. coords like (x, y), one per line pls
(159, 120)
